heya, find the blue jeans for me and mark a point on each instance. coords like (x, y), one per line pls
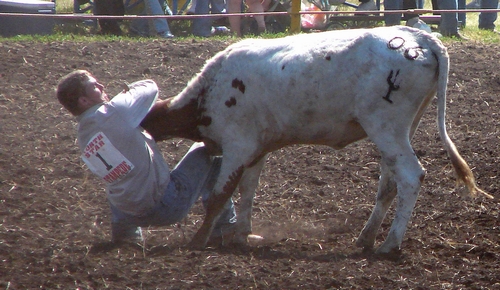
(487, 19)
(142, 26)
(449, 21)
(395, 19)
(194, 176)
(203, 26)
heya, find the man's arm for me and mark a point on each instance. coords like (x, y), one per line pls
(134, 104)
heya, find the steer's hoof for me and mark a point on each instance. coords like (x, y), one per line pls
(196, 244)
(362, 243)
(367, 250)
(393, 254)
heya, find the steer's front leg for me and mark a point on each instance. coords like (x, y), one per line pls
(215, 206)
(248, 184)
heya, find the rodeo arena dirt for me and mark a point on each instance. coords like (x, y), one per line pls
(310, 206)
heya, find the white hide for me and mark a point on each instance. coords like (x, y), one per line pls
(330, 88)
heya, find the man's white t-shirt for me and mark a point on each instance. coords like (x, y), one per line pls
(121, 153)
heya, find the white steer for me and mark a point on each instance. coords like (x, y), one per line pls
(331, 88)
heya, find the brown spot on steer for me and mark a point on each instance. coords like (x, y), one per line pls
(231, 102)
(238, 84)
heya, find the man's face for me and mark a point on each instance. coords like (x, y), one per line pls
(94, 92)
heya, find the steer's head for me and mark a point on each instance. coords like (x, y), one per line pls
(165, 122)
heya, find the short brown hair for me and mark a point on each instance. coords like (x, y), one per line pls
(70, 88)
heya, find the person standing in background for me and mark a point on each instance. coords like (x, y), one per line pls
(151, 27)
(203, 26)
(486, 19)
(448, 25)
(109, 7)
(450, 22)
(255, 6)
(395, 19)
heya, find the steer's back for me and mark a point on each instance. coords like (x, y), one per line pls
(314, 88)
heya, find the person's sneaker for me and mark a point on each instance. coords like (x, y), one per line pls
(166, 35)
(121, 233)
(220, 30)
(490, 29)
(367, 6)
(475, 4)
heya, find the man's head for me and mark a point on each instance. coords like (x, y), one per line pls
(79, 91)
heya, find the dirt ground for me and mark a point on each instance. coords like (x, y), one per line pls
(311, 204)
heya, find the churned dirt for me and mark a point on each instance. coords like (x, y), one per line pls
(311, 204)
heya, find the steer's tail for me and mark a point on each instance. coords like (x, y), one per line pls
(461, 167)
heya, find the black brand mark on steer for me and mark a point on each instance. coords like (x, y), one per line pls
(238, 84)
(392, 85)
(411, 53)
(396, 43)
(231, 102)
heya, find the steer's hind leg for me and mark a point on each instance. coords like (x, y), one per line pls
(408, 176)
(248, 184)
(385, 196)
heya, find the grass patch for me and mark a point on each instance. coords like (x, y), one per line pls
(64, 6)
